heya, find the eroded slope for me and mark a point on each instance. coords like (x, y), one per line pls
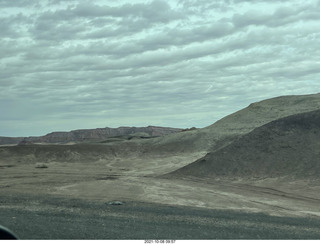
(233, 126)
(286, 147)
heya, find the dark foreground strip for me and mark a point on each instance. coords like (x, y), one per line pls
(58, 218)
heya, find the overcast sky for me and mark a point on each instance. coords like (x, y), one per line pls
(91, 64)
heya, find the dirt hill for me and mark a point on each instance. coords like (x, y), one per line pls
(233, 126)
(285, 147)
(122, 141)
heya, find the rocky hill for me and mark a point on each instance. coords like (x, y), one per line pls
(231, 127)
(121, 141)
(285, 147)
(98, 134)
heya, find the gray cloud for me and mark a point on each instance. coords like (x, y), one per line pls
(101, 21)
(155, 11)
(17, 3)
(78, 64)
(281, 16)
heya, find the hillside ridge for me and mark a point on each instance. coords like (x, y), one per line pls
(289, 146)
(86, 135)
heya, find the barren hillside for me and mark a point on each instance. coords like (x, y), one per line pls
(239, 123)
(126, 141)
(285, 147)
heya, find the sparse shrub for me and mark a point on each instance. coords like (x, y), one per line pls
(41, 165)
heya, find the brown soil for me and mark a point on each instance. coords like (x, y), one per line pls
(139, 179)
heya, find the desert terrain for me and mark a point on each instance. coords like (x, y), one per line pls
(251, 175)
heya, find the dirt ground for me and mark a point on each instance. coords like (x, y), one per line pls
(69, 200)
(140, 179)
(49, 217)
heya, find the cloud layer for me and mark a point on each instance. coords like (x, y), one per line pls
(85, 64)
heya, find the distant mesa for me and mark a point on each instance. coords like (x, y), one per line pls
(92, 135)
(208, 139)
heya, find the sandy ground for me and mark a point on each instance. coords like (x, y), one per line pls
(139, 179)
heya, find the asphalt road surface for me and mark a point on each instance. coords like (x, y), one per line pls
(61, 218)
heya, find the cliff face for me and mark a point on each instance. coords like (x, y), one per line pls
(98, 134)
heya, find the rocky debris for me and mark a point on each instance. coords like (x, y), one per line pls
(115, 203)
(41, 166)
